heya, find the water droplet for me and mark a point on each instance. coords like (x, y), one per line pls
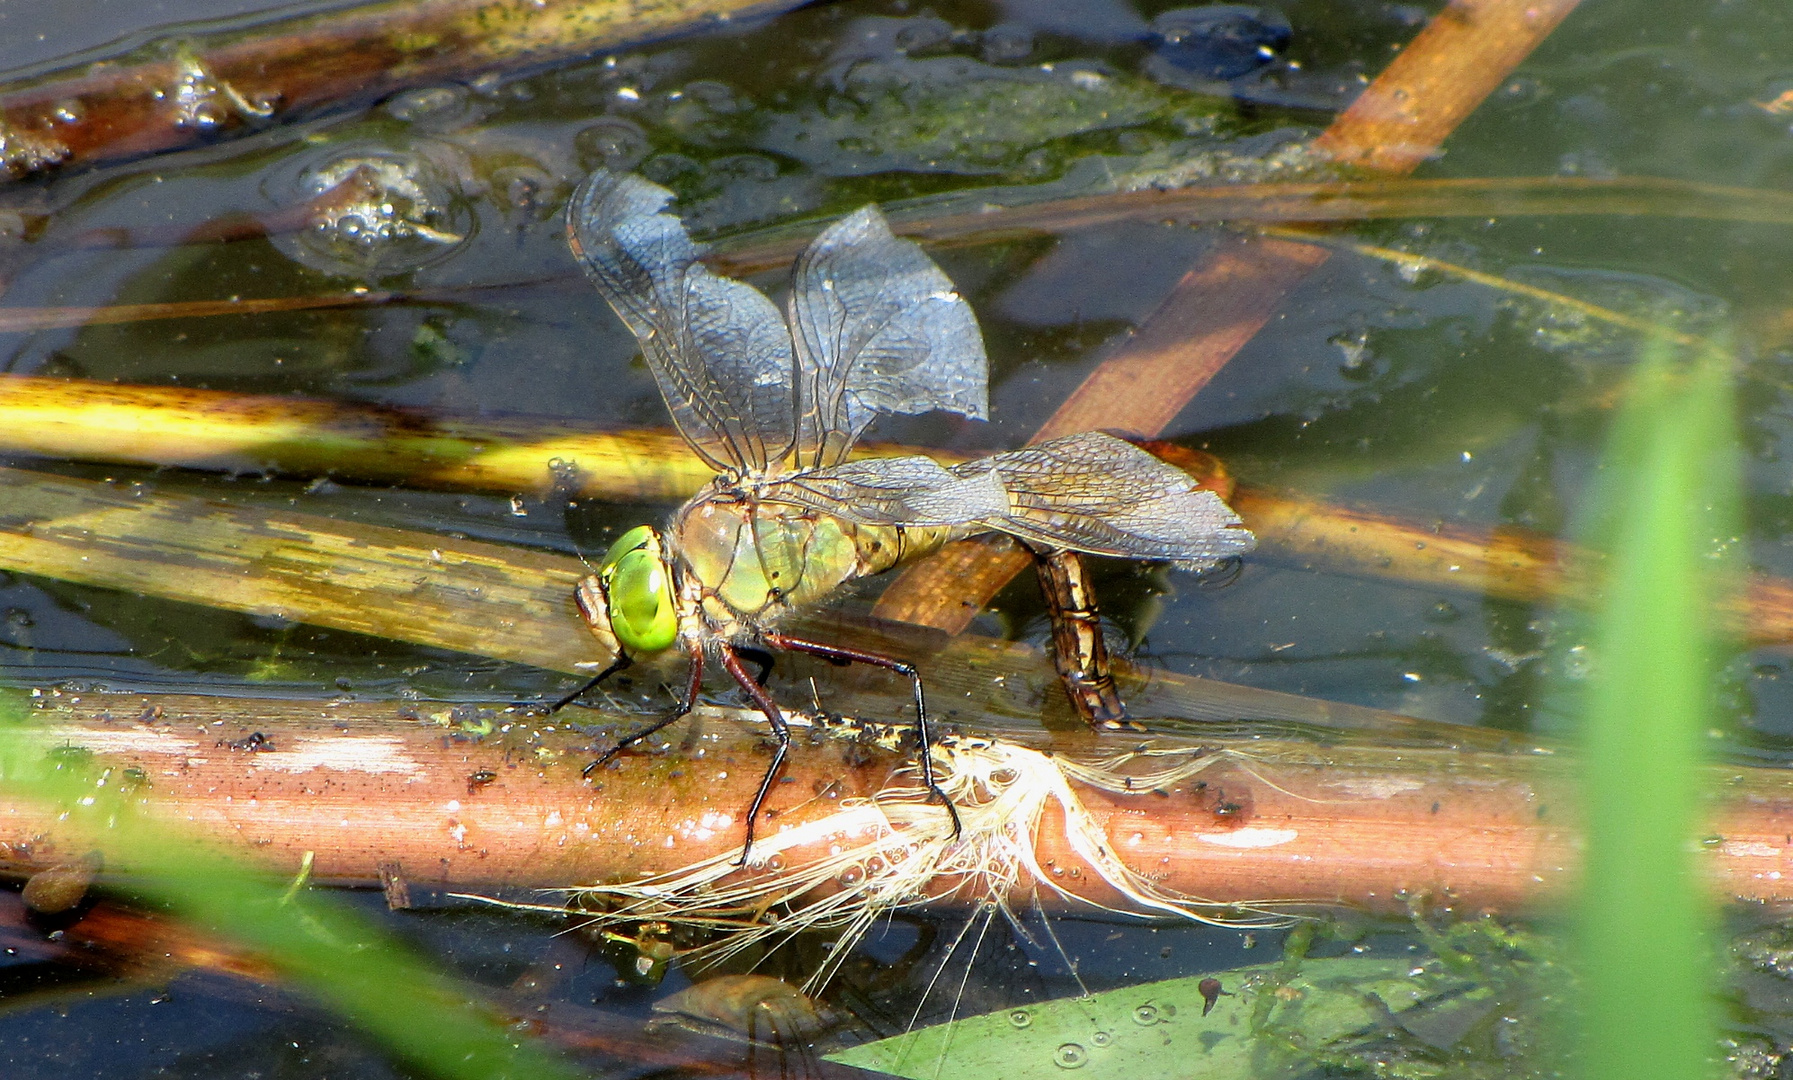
(206, 116)
(436, 106)
(523, 192)
(1101, 1038)
(377, 211)
(611, 142)
(1021, 1018)
(1070, 1056)
(1146, 1015)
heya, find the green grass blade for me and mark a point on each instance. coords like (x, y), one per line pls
(1665, 517)
(432, 1022)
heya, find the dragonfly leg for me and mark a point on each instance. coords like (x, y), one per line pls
(686, 704)
(924, 738)
(622, 661)
(759, 658)
(1078, 650)
(731, 661)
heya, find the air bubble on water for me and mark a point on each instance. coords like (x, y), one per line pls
(374, 212)
(435, 106)
(611, 142)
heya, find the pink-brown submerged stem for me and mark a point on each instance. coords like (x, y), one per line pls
(1443, 75)
(361, 786)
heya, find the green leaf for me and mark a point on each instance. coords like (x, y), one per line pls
(1158, 1029)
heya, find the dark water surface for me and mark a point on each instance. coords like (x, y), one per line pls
(1428, 397)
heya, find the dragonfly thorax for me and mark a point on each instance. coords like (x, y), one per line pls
(747, 562)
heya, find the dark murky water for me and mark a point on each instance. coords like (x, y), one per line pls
(1431, 397)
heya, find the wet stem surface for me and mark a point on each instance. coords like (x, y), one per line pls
(1441, 399)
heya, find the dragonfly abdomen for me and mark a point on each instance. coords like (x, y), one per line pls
(882, 547)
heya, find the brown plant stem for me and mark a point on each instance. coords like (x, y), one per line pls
(20, 319)
(1007, 214)
(180, 92)
(770, 249)
(361, 785)
(126, 943)
(1445, 73)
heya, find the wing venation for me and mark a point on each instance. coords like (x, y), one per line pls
(878, 328)
(1101, 495)
(909, 491)
(719, 350)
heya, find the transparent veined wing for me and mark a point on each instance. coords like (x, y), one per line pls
(717, 347)
(1101, 495)
(893, 491)
(878, 329)
(1090, 492)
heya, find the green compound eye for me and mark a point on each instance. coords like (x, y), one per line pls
(638, 591)
(640, 536)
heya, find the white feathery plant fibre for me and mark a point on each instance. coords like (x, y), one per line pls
(897, 850)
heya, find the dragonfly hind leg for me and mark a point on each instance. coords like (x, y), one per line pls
(923, 736)
(686, 704)
(731, 661)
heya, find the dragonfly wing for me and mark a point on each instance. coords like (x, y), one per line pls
(1101, 495)
(878, 329)
(909, 491)
(717, 347)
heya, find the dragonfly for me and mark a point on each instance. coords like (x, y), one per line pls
(775, 402)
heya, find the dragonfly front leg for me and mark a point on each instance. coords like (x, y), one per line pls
(731, 662)
(1078, 650)
(686, 704)
(621, 662)
(923, 736)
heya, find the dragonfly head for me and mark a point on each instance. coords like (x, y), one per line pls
(634, 591)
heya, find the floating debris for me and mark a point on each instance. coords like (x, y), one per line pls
(760, 1007)
(59, 888)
